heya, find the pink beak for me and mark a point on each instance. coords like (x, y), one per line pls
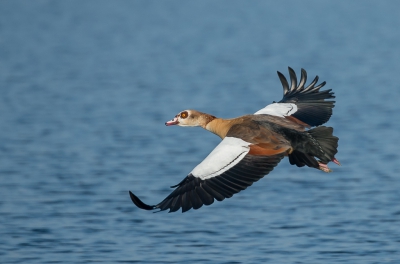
(172, 122)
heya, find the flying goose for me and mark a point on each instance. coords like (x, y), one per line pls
(252, 145)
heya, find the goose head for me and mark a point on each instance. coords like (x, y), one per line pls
(190, 118)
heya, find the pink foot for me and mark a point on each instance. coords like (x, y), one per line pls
(336, 161)
(324, 167)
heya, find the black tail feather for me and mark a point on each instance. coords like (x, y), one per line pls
(139, 203)
(317, 143)
(300, 159)
(327, 142)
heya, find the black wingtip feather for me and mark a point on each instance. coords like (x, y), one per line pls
(320, 86)
(284, 82)
(303, 79)
(313, 106)
(205, 197)
(293, 79)
(176, 204)
(139, 203)
(311, 86)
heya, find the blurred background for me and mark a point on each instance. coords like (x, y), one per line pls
(85, 89)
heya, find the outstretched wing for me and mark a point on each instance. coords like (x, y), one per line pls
(228, 169)
(299, 103)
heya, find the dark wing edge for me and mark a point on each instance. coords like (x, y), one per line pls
(310, 101)
(139, 202)
(194, 192)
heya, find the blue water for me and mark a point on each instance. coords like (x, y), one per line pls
(85, 89)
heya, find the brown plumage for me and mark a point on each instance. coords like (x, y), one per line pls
(252, 145)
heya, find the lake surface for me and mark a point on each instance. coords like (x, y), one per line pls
(85, 89)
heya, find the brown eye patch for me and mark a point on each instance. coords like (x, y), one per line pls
(184, 115)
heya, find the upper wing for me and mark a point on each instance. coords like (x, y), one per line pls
(305, 104)
(228, 169)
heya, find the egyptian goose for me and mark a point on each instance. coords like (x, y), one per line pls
(252, 145)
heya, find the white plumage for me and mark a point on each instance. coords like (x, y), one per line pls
(225, 156)
(278, 109)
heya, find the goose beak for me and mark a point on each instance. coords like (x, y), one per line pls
(172, 122)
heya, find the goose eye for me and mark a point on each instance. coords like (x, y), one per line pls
(184, 115)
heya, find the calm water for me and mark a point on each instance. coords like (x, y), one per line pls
(85, 89)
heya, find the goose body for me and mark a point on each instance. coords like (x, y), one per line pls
(252, 145)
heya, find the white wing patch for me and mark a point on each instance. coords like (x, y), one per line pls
(278, 109)
(225, 156)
